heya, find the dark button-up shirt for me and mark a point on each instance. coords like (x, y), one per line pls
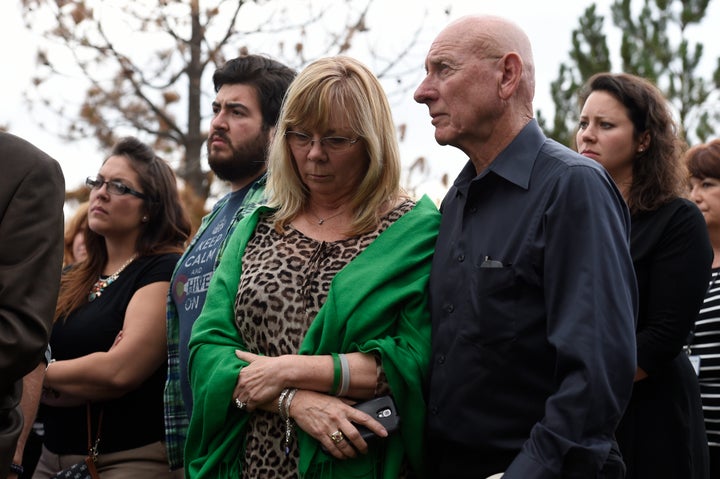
(533, 299)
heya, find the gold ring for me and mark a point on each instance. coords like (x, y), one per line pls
(337, 437)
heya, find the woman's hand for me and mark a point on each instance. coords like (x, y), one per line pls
(261, 380)
(330, 420)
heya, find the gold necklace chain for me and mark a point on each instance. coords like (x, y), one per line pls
(100, 285)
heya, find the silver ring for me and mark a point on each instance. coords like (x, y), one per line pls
(240, 404)
(337, 437)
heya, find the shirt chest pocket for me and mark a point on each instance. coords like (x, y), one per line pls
(493, 305)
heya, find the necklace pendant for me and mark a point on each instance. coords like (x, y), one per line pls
(321, 221)
(100, 285)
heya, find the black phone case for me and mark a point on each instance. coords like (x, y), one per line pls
(381, 409)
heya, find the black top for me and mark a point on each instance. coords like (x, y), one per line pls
(662, 432)
(533, 311)
(135, 419)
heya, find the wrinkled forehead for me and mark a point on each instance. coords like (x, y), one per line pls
(459, 42)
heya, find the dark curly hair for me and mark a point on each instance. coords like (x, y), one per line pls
(659, 175)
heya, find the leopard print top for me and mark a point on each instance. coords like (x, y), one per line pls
(285, 280)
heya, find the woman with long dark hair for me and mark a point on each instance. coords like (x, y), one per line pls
(626, 125)
(108, 342)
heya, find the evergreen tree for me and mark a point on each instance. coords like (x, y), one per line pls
(655, 44)
(590, 55)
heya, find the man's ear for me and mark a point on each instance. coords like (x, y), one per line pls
(512, 70)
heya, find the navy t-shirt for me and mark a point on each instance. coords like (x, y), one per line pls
(192, 278)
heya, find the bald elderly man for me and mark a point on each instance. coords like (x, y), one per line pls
(532, 289)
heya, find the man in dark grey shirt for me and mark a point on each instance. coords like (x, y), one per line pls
(532, 289)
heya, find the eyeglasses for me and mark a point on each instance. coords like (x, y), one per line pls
(301, 141)
(113, 187)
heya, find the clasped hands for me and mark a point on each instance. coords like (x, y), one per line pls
(319, 414)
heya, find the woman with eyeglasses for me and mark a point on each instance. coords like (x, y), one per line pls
(319, 301)
(108, 342)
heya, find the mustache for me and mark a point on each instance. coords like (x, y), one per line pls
(220, 134)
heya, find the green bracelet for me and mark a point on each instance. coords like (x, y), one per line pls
(337, 373)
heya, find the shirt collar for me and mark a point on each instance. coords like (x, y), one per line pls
(515, 163)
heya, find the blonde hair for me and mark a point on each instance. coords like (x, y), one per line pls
(326, 89)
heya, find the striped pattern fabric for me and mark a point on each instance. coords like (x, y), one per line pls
(706, 344)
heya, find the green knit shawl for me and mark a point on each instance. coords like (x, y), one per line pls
(377, 303)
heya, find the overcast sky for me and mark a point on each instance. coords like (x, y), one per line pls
(548, 24)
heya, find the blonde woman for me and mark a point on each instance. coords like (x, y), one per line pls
(319, 300)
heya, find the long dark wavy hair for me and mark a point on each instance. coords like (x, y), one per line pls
(166, 230)
(659, 174)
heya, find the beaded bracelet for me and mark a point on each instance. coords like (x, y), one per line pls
(288, 400)
(17, 469)
(286, 397)
(281, 400)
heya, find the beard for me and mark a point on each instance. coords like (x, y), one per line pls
(246, 160)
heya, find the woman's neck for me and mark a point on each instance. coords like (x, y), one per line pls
(714, 235)
(623, 179)
(118, 254)
(716, 257)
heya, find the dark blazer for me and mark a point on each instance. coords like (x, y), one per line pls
(32, 193)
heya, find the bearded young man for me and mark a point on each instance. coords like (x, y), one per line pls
(249, 91)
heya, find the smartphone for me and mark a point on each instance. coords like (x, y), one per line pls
(383, 410)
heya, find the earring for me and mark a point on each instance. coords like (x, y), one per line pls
(145, 219)
(641, 149)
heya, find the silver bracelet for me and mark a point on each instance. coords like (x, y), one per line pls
(286, 397)
(345, 376)
(281, 400)
(288, 400)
